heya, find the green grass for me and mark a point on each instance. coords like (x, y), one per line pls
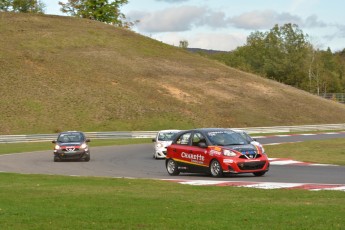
(58, 202)
(24, 147)
(320, 151)
(62, 73)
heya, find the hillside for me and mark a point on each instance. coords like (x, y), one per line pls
(62, 73)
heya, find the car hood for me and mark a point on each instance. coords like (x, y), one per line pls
(70, 143)
(242, 148)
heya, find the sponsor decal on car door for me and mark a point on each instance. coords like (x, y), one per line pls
(193, 155)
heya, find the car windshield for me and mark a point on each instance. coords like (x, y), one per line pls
(70, 137)
(246, 136)
(226, 137)
(166, 136)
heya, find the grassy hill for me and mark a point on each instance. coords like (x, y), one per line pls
(62, 73)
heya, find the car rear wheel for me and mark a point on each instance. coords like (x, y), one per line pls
(216, 169)
(172, 167)
(259, 173)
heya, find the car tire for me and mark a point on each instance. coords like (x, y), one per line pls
(259, 173)
(87, 159)
(56, 159)
(172, 167)
(216, 169)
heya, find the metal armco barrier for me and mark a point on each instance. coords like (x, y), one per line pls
(151, 134)
(91, 135)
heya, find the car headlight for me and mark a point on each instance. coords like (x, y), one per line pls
(229, 153)
(262, 148)
(83, 146)
(57, 147)
(160, 145)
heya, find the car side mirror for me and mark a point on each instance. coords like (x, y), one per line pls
(202, 145)
(153, 139)
(87, 140)
(54, 142)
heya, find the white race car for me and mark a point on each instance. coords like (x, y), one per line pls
(249, 138)
(162, 140)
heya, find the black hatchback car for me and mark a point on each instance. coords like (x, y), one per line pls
(71, 145)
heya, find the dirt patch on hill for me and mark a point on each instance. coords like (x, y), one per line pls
(179, 94)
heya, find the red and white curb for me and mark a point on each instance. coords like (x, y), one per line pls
(263, 185)
(286, 161)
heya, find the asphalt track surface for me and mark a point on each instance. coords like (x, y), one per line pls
(135, 161)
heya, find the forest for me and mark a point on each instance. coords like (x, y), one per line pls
(285, 54)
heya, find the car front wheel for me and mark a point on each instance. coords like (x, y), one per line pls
(216, 169)
(56, 159)
(172, 167)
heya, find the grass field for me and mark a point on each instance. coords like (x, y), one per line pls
(58, 202)
(320, 151)
(62, 73)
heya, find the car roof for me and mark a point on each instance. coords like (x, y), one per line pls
(239, 130)
(211, 129)
(169, 130)
(66, 132)
(205, 130)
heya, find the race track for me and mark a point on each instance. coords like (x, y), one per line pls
(135, 161)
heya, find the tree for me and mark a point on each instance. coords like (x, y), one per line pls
(22, 6)
(285, 55)
(184, 44)
(99, 10)
(5, 5)
(254, 51)
(279, 54)
(329, 72)
(287, 49)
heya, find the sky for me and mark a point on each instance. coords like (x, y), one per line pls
(225, 24)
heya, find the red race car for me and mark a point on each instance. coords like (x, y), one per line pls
(215, 151)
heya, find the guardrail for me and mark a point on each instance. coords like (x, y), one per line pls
(339, 97)
(91, 135)
(290, 129)
(151, 134)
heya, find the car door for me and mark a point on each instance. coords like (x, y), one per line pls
(180, 147)
(199, 154)
(189, 155)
